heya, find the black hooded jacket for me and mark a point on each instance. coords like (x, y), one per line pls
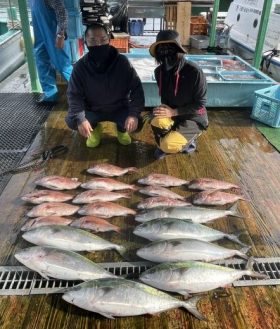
(112, 87)
(184, 88)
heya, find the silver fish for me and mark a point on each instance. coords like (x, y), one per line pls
(210, 184)
(108, 184)
(215, 198)
(161, 201)
(41, 196)
(53, 209)
(61, 264)
(160, 191)
(69, 238)
(109, 170)
(162, 180)
(95, 224)
(58, 182)
(99, 195)
(105, 210)
(196, 214)
(174, 228)
(182, 250)
(45, 221)
(193, 277)
(120, 297)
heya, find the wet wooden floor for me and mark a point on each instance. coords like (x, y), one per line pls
(232, 149)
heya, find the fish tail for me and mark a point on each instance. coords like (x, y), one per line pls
(191, 306)
(250, 270)
(134, 187)
(242, 252)
(126, 195)
(121, 250)
(132, 169)
(233, 211)
(234, 238)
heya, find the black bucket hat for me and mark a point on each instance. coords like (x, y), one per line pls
(167, 36)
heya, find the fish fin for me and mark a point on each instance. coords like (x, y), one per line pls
(185, 294)
(107, 315)
(191, 306)
(233, 211)
(43, 275)
(126, 195)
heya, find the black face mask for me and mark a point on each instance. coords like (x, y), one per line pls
(167, 55)
(99, 54)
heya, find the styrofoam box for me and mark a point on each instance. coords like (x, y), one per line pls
(199, 41)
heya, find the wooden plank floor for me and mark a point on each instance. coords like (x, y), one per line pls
(231, 149)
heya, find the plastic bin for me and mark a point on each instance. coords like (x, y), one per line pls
(198, 25)
(267, 106)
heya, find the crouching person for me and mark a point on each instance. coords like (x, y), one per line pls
(182, 116)
(104, 87)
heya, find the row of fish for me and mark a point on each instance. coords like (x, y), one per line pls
(175, 231)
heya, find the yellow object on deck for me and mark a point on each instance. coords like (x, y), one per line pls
(173, 142)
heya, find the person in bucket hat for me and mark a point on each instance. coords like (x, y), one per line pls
(181, 117)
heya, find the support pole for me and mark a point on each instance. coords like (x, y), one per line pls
(35, 84)
(213, 23)
(261, 34)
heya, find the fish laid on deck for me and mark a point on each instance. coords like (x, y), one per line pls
(162, 180)
(99, 195)
(160, 191)
(215, 198)
(45, 221)
(120, 297)
(42, 196)
(196, 214)
(105, 210)
(61, 264)
(53, 209)
(193, 277)
(161, 201)
(174, 228)
(95, 224)
(58, 182)
(181, 250)
(69, 238)
(109, 170)
(210, 184)
(108, 184)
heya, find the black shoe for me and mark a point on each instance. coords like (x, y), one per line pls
(190, 148)
(159, 154)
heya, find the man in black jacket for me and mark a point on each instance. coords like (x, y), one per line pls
(103, 87)
(182, 115)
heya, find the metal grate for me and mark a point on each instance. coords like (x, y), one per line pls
(19, 280)
(20, 120)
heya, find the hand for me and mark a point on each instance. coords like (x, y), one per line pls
(164, 111)
(131, 124)
(85, 128)
(59, 42)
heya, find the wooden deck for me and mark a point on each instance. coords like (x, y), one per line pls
(231, 149)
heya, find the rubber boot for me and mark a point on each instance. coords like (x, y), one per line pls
(123, 138)
(95, 137)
